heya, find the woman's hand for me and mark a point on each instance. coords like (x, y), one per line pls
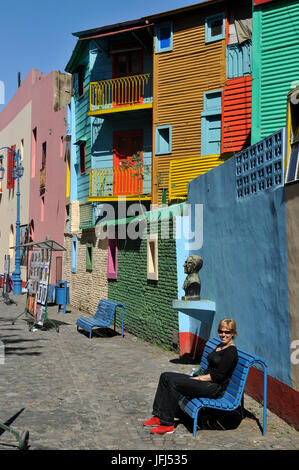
(204, 378)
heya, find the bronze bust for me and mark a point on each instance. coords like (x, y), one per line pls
(191, 284)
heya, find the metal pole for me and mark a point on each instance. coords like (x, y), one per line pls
(265, 402)
(16, 275)
(18, 171)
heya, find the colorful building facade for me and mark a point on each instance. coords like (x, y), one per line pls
(152, 109)
(111, 137)
(15, 132)
(250, 271)
(199, 118)
(275, 65)
(202, 92)
(34, 123)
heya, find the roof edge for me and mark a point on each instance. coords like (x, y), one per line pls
(183, 9)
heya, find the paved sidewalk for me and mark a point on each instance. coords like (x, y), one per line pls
(71, 393)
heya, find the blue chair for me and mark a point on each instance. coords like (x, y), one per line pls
(233, 395)
(103, 317)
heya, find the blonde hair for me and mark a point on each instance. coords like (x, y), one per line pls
(230, 324)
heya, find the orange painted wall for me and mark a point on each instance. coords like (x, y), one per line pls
(236, 114)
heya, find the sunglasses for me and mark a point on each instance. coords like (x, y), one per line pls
(224, 332)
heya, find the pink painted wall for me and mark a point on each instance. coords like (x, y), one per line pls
(39, 89)
(50, 125)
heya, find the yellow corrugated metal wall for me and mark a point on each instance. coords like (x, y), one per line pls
(183, 170)
(181, 77)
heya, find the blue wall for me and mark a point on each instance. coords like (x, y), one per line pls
(245, 263)
(98, 132)
(102, 138)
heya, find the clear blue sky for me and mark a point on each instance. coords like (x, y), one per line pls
(38, 33)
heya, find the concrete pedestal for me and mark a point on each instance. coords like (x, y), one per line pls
(195, 322)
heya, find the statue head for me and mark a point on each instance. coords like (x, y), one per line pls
(192, 283)
(193, 264)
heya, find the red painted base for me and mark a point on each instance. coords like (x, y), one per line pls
(191, 345)
(281, 399)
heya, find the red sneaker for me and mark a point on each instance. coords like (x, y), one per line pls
(154, 421)
(163, 430)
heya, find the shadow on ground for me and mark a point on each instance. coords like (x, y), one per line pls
(100, 333)
(210, 419)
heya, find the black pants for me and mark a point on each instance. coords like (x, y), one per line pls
(172, 386)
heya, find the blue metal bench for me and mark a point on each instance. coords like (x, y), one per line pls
(233, 395)
(103, 317)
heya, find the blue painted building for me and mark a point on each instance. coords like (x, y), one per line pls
(111, 117)
(245, 264)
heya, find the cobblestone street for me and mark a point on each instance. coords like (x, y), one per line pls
(71, 393)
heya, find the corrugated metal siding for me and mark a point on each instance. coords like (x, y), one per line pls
(276, 37)
(181, 78)
(182, 171)
(236, 114)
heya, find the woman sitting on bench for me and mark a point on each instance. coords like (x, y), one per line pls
(172, 385)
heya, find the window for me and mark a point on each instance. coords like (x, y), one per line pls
(42, 209)
(67, 219)
(82, 149)
(164, 37)
(127, 63)
(89, 256)
(81, 81)
(74, 254)
(215, 27)
(293, 164)
(211, 123)
(112, 259)
(163, 140)
(11, 251)
(33, 155)
(238, 60)
(44, 155)
(152, 257)
(58, 269)
(22, 149)
(10, 167)
(61, 147)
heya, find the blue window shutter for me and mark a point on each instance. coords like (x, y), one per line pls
(212, 142)
(211, 123)
(238, 60)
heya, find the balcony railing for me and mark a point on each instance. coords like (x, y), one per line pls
(135, 90)
(109, 182)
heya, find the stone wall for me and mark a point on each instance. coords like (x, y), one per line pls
(148, 303)
(87, 287)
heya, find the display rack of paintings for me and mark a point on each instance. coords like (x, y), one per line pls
(38, 284)
(39, 281)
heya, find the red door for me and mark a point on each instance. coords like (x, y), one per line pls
(127, 162)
